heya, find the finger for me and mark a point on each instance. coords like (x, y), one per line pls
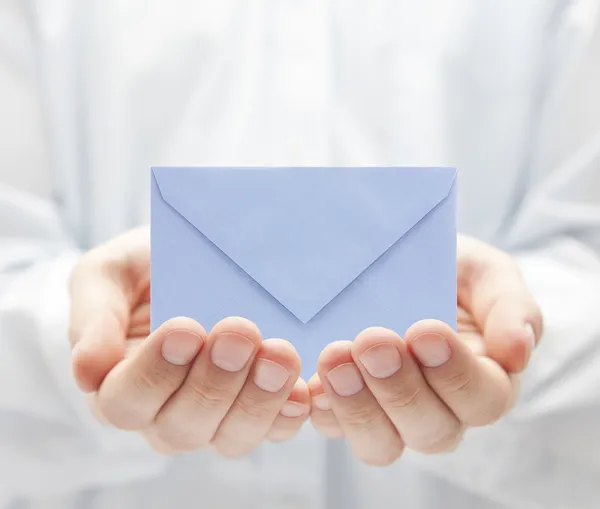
(135, 390)
(99, 315)
(510, 332)
(424, 422)
(469, 332)
(372, 436)
(292, 415)
(272, 378)
(104, 286)
(476, 389)
(190, 419)
(139, 322)
(321, 414)
(490, 286)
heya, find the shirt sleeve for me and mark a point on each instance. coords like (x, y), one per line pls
(546, 452)
(47, 432)
(555, 235)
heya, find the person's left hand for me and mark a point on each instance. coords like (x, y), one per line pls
(383, 393)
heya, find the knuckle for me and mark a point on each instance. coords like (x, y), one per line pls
(458, 381)
(255, 409)
(156, 378)
(404, 398)
(363, 416)
(209, 396)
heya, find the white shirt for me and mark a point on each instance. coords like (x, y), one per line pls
(93, 93)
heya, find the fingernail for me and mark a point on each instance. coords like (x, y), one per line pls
(381, 361)
(231, 352)
(293, 409)
(431, 349)
(322, 402)
(180, 347)
(270, 376)
(346, 380)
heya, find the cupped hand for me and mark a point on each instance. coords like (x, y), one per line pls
(179, 387)
(384, 393)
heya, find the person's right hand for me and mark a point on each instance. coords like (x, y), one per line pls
(181, 388)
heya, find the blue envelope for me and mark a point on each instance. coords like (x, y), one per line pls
(311, 255)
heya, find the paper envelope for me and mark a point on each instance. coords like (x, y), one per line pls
(311, 255)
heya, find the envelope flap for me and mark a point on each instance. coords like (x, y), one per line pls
(304, 234)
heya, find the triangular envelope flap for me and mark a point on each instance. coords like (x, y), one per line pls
(304, 234)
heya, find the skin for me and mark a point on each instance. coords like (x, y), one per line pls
(425, 405)
(377, 391)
